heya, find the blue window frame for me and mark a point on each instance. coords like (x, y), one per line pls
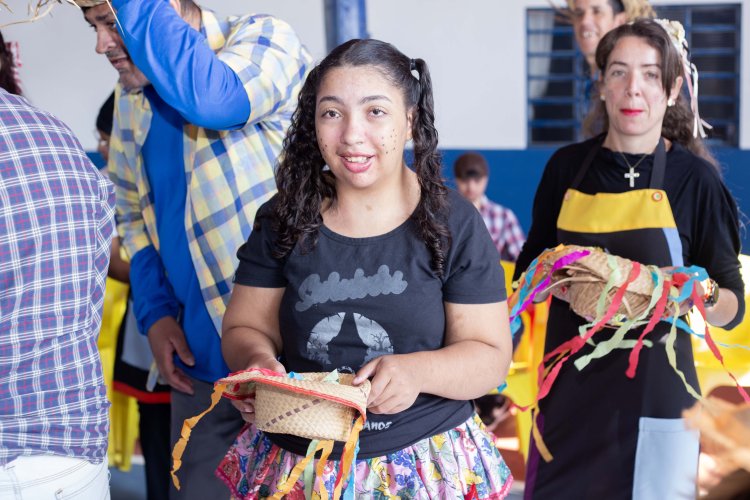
(557, 79)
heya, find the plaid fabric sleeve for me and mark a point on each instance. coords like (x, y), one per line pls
(271, 61)
(513, 234)
(182, 67)
(131, 225)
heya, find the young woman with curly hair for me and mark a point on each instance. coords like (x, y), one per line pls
(364, 264)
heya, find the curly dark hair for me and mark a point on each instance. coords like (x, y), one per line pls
(303, 184)
(7, 79)
(678, 119)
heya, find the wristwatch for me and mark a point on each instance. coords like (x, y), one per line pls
(711, 292)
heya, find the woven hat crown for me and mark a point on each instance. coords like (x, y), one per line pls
(311, 406)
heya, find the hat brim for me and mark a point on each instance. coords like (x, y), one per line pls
(88, 3)
(240, 384)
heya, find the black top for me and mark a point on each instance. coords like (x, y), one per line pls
(704, 210)
(350, 300)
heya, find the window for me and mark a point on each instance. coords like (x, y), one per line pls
(557, 80)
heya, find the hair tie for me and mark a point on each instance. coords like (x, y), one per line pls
(412, 65)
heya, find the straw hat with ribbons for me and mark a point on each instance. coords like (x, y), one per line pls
(40, 8)
(322, 407)
(610, 292)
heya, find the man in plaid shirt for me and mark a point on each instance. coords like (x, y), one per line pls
(471, 173)
(201, 111)
(56, 224)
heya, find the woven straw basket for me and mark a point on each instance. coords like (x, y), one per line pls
(309, 408)
(582, 282)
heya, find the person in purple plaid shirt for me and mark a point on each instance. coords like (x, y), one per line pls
(56, 223)
(471, 173)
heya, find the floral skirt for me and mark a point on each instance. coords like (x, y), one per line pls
(462, 463)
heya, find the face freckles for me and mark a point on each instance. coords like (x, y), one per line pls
(362, 127)
(632, 87)
(109, 43)
(592, 19)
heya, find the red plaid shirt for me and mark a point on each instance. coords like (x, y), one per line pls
(504, 229)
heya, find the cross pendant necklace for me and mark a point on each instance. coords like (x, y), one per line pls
(632, 174)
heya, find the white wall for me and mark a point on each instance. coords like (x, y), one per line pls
(475, 50)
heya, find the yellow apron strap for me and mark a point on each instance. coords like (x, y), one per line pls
(187, 429)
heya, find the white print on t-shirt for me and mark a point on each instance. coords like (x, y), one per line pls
(376, 426)
(312, 291)
(372, 334)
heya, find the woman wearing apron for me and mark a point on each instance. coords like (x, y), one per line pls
(646, 190)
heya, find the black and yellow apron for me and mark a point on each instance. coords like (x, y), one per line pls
(613, 437)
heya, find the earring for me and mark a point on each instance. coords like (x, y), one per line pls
(670, 102)
(602, 98)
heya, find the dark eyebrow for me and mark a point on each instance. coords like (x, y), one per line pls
(331, 98)
(374, 98)
(620, 63)
(103, 17)
(327, 98)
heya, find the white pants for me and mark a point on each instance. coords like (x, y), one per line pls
(50, 477)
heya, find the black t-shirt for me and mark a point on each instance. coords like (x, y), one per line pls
(704, 210)
(350, 300)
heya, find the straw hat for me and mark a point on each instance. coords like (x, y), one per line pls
(311, 407)
(582, 282)
(37, 9)
(88, 3)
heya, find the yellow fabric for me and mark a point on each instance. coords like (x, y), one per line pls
(123, 414)
(710, 372)
(320, 468)
(522, 376)
(123, 430)
(348, 455)
(575, 213)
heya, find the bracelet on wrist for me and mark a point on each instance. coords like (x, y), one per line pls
(710, 292)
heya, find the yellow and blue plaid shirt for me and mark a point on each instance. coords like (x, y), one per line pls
(229, 173)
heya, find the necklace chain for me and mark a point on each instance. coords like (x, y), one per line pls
(633, 167)
(632, 174)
